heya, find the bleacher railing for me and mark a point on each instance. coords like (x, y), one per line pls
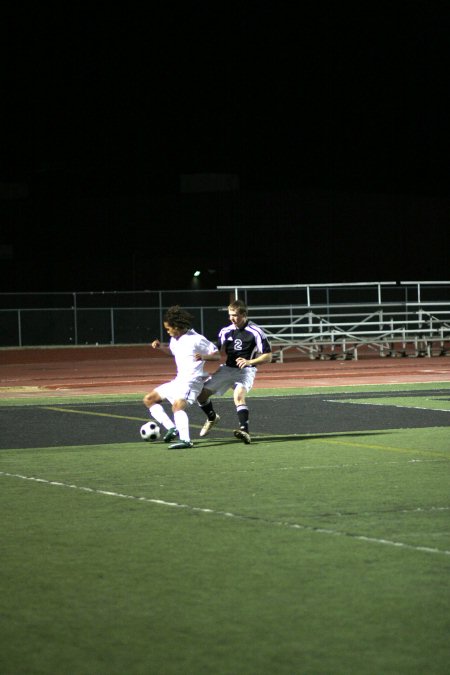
(408, 318)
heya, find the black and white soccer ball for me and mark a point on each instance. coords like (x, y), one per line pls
(150, 431)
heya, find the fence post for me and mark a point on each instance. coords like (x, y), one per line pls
(160, 316)
(19, 327)
(112, 324)
(75, 319)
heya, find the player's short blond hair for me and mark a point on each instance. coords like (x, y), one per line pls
(238, 306)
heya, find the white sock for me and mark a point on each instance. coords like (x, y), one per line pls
(182, 424)
(157, 411)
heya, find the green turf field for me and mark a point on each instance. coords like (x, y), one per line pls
(320, 554)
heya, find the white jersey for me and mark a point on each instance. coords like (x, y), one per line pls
(184, 349)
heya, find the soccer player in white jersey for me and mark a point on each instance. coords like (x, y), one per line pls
(246, 346)
(190, 350)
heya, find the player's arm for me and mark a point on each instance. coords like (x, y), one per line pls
(209, 353)
(258, 360)
(215, 356)
(209, 356)
(156, 344)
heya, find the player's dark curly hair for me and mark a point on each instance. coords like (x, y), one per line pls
(177, 317)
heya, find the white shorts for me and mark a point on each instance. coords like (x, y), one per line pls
(226, 378)
(180, 389)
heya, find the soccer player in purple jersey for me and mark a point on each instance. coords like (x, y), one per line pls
(246, 346)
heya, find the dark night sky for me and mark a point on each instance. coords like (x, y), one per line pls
(332, 115)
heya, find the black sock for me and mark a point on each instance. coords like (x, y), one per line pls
(242, 413)
(208, 410)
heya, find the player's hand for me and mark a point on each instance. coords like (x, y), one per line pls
(198, 356)
(156, 344)
(241, 363)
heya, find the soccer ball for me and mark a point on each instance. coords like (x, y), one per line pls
(150, 431)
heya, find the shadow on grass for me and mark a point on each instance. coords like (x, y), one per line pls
(258, 438)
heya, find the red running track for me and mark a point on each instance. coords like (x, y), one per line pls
(137, 369)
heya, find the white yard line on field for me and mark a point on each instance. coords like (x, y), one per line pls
(228, 514)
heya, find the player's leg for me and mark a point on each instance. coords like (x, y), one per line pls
(182, 421)
(219, 382)
(152, 401)
(243, 414)
(206, 405)
(244, 383)
(179, 405)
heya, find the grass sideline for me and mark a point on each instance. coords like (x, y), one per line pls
(36, 399)
(328, 554)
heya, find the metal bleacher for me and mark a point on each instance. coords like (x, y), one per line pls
(346, 321)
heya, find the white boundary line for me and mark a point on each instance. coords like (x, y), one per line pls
(391, 405)
(228, 514)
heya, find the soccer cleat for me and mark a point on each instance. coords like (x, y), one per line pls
(243, 436)
(181, 445)
(206, 428)
(170, 435)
